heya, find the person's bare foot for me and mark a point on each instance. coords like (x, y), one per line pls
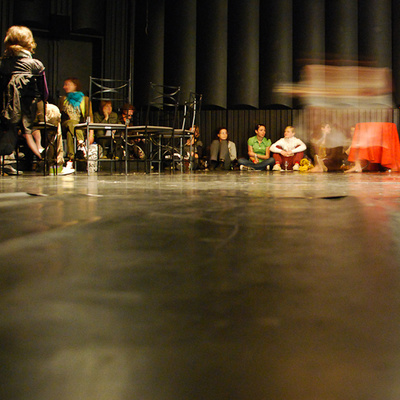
(319, 165)
(353, 169)
(356, 168)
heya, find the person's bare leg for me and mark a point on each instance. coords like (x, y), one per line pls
(32, 145)
(38, 139)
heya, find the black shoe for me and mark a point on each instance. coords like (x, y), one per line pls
(213, 165)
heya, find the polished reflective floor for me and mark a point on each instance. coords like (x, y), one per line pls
(241, 285)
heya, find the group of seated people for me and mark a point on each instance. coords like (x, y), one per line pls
(24, 97)
(76, 108)
(73, 109)
(326, 152)
(287, 153)
(263, 155)
(366, 147)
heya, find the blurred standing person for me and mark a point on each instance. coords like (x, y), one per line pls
(328, 155)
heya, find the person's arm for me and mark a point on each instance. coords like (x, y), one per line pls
(254, 156)
(276, 147)
(251, 153)
(232, 151)
(299, 146)
(90, 114)
(199, 148)
(97, 118)
(113, 119)
(266, 155)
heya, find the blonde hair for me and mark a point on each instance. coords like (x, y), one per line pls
(19, 38)
(291, 127)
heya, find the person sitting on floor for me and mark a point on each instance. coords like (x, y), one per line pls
(222, 151)
(258, 148)
(288, 151)
(194, 143)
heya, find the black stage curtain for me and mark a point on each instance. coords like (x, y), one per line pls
(232, 51)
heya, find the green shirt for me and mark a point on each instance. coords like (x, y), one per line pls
(259, 148)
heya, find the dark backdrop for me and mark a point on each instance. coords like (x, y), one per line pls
(231, 51)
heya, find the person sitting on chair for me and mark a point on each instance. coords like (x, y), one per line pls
(23, 84)
(136, 145)
(75, 108)
(105, 115)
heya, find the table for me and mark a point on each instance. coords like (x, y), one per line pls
(150, 133)
(154, 134)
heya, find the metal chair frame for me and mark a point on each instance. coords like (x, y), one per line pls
(119, 92)
(162, 110)
(191, 110)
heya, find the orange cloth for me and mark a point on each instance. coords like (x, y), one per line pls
(378, 143)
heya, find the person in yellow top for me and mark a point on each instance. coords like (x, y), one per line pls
(75, 108)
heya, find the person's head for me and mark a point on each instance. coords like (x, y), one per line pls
(196, 130)
(105, 107)
(53, 114)
(127, 111)
(325, 128)
(72, 85)
(260, 130)
(18, 38)
(289, 132)
(223, 134)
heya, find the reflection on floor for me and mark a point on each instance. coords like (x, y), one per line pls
(242, 285)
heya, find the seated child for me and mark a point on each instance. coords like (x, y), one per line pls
(288, 151)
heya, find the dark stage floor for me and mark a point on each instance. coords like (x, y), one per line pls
(231, 286)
